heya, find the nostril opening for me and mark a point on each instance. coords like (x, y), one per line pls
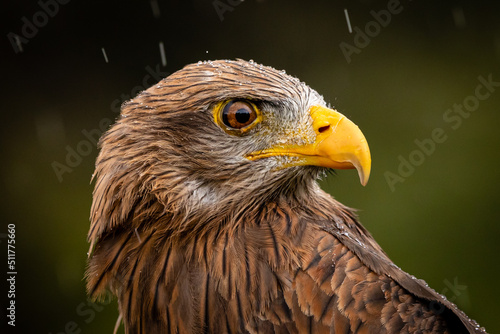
(323, 128)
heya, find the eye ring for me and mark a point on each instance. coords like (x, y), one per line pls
(237, 116)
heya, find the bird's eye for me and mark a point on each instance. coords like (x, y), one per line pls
(236, 116)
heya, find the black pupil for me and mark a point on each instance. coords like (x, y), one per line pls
(242, 115)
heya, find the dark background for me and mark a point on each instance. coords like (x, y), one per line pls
(440, 224)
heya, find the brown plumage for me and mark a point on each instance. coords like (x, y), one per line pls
(195, 232)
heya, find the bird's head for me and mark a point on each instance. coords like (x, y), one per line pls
(215, 135)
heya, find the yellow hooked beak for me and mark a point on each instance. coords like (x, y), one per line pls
(339, 144)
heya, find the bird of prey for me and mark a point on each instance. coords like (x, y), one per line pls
(207, 216)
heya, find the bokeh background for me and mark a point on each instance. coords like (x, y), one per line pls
(441, 224)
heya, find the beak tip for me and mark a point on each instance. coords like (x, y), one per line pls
(363, 180)
(363, 166)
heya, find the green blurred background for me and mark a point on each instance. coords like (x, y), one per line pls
(440, 224)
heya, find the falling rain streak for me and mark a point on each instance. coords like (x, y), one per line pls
(348, 21)
(105, 55)
(18, 43)
(156, 9)
(459, 17)
(162, 54)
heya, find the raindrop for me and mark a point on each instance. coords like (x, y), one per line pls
(348, 21)
(105, 55)
(458, 17)
(155, 8)
(162, 54)
(18, 43)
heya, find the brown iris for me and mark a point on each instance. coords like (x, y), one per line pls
(238, 114)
